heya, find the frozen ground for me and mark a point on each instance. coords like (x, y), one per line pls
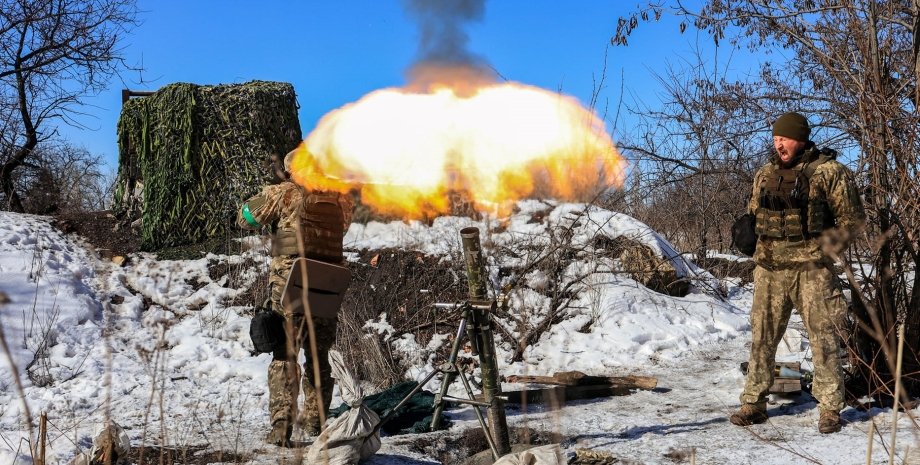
(158, 347)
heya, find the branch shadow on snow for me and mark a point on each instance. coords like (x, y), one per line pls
(806, 402)
(855, 415)
(639, 431)
(798, 405)
(388, 459)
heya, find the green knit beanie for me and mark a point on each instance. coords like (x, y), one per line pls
(792, 125)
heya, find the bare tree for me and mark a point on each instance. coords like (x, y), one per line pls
(53, 53)
(854, 65)
(696, 154)
(63, 178)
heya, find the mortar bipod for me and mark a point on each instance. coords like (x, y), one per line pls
(472, 329)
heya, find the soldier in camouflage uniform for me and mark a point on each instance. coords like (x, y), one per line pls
(807, 207)
(320, 219)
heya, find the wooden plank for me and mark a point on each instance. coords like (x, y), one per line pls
(577, 378)
(552, 397)
(786, 385)
(555, 396)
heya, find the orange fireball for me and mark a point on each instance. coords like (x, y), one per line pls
(499, 143)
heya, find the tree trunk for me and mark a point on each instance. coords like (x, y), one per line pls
(912, 319)
(13, 202)
(22, 153)
(876, 144)
(915, 10)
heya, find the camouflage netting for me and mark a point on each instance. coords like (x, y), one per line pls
(189, 154)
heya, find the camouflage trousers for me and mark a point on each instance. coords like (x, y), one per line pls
(814, 293)
(285, 378)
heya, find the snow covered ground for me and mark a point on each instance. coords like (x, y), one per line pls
(159, 347)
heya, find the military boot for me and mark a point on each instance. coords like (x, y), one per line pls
(280, 435)
(829, 421)
(749, 414)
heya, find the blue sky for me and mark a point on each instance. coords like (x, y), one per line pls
(334, 52)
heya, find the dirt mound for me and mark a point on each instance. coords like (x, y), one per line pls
(101, 229)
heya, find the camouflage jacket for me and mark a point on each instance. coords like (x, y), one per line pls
(832, 181)
(288, 206)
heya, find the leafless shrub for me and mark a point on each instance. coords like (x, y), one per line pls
(62, 179)
(595, 308)
(39, 368)
(546, 271)
(68, 49)
(551, 279)
(694, 156)
(39, 322)
(403, 285)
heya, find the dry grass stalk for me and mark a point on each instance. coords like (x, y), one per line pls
(4, 299)
(42, 438)
(897, 393)
(871, 442)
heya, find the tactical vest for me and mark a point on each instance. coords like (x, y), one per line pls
(786, 211)
(322, 225)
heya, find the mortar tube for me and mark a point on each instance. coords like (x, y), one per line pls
(488, 363)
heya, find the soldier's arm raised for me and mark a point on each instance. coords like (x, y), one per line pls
(260, 209)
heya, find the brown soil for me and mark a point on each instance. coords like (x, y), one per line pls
(101, 229)
(470, 446)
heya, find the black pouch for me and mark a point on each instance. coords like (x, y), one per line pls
(743, 237)
(266, 329)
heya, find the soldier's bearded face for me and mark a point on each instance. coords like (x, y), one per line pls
(787, 148)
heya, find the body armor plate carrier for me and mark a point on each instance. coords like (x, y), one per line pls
(322, 228)
(786, 210)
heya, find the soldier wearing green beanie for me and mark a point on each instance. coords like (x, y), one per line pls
(806, 208)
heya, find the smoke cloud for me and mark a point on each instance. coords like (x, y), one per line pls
(443, 58)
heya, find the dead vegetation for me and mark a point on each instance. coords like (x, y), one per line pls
(194, 455)
(545, 271)
(541, 289)
(403, 286)
(723, 268)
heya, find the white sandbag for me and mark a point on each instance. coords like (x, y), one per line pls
(544, 455)
(352, 436)
(110, 438)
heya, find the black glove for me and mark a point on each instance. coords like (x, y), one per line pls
(743, 237)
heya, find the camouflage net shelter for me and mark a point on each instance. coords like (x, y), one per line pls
(189, 154)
